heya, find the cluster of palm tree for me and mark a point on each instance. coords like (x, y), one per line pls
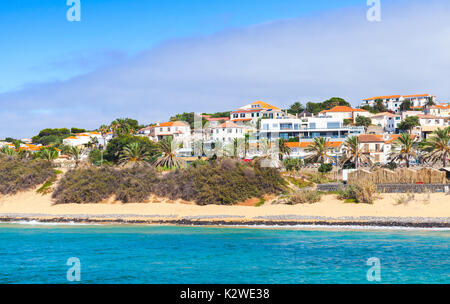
(406, 148)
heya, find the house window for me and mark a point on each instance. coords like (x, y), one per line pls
(243, 115)
(274, 125)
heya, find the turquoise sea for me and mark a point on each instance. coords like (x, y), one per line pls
(159, 254)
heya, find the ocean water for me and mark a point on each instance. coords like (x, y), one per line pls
(160, 254)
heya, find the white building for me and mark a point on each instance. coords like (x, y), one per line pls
(256, 110)
(307, 128)
(226, 132)
(343, 112)
(393, 102)
(87, 138)
(299, 149)
(386, 120)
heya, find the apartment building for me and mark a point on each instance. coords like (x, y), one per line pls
(386, 120)
(393, 102)
(307, 128)
(256, 110)
(226, 132)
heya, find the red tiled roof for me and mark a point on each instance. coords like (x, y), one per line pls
(304, 144)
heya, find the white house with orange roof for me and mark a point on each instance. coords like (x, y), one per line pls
(178, 130)
(226, 132)
(442, 110)
(344, 112)
(84, 139)
(256, 110)
(386, 120)
(393, 102)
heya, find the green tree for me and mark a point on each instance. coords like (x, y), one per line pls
(406, 147)
(75, 153)
(77, 130)
(48, 153)
(117, 144)
(379, 106)
(319, 151)
(437, 146)
(430, 101)
(325, 168)
(409, 123)
(283, 148)
(363, 121)
(168, 158)
(134, 152)
(405, 105)
(353, 153)
(296, 108)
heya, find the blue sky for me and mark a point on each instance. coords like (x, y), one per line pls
(152, 59)
(38, 44)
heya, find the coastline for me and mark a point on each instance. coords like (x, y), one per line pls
(426, 211)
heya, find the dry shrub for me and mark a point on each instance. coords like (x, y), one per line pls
(362, 192)
(222, 182)
(23, 174)
(305, 197)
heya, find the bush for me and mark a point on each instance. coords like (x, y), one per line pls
(361, 192)
(325, 168)
(93, 185)
(117, 144)
(222, 182)
(292, 164)
(305, 197)
(23, 174)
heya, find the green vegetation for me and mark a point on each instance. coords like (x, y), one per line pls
(51, 136)
(409, 123)
(438, 146)
(305, 197)
(116, 146)
(326, 105)
(49, 154)
(353, 153)
(293, 164)
(189, 118)
(77, 130)
(168, 159)
(325, 168)
(296, 108)
(222, 182)
(361, 192)
(406, 147)
(363, 121)
(23, 174)
(319, 151)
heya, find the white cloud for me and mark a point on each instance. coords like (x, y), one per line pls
(310, 59)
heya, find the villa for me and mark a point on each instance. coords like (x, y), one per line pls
(343, 112)
(256, 110)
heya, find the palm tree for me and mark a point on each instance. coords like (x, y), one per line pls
(236, 144)
(283, 148)
(104, 129)
(8, 151)
(437, 147)
(76, 153)
(169, 158)
(246, 144)
(406, 146)
(353, 153)
(319, 151)
(48, 154)
(134, 153)
(93, 142)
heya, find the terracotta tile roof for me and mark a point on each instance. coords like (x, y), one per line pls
(394, 137)
(397, 96)
(228, 124)
(366, 138)
(173, 124)
(343, 109)
(385, 114)
(265, 105)
(304, 144)
(242, 119)
(248, 111)
(218, 118)
(425, 116)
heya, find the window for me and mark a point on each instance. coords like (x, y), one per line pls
(275, 125)
(242, 114)
(168, 129)
(331, 125)
(160, 129)
(295, 126)
(312, 125)
(235, 115)
(265, 127)
(257, 114)
(230, 130)
(253, 114)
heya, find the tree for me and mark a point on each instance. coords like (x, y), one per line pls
(168, 158)
(188, 117)
(316, 107)
(134, 152)
(283, 149)
(406, 147)
(430, 101)
(379, 106)
(296, 108)
(353, 153)
(437, 147)
(347, 122)
(104, 129)
(117, 144)
(409, 123)
(77, 130)
(363, 121)
(319, 151)
(405, 105)
(325, 168)
(48, 153)
(8, 151)
(75, 152)
(124, 126)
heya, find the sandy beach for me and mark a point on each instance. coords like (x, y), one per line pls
(423, 210)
